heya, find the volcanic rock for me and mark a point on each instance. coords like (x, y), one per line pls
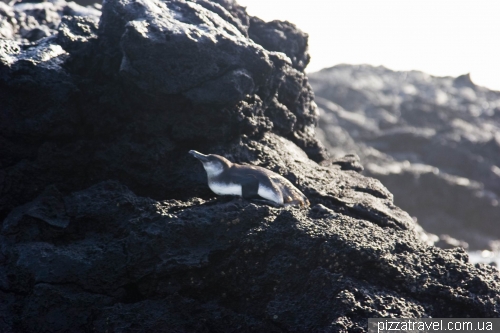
(108, 224)
(433, 141)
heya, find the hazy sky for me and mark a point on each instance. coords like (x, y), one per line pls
(440, 37)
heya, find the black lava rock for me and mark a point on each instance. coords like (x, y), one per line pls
(432, 141)
(108, 224)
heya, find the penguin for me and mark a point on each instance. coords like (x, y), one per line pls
(249, 182)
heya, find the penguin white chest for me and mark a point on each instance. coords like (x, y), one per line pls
(226, 188)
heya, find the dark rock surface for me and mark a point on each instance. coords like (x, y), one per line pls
(108, 224)
(433, 141)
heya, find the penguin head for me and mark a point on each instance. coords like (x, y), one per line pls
(214, 164)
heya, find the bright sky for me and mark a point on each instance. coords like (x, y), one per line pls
(439, 37)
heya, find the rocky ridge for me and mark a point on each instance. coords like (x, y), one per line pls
(433, 141)
(108, 224)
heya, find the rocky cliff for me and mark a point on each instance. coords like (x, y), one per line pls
(108, 224)
(434, 142)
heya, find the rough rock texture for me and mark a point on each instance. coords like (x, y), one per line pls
(108, 224)
(433, 141)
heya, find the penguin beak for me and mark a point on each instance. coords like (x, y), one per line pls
(200, 156)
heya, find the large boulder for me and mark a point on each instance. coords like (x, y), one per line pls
(108, 224)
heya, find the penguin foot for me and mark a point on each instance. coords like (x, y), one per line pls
(297, 202)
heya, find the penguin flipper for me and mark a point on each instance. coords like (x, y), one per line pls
(249, 186)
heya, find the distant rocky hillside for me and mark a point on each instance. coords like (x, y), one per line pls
(433, 141)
